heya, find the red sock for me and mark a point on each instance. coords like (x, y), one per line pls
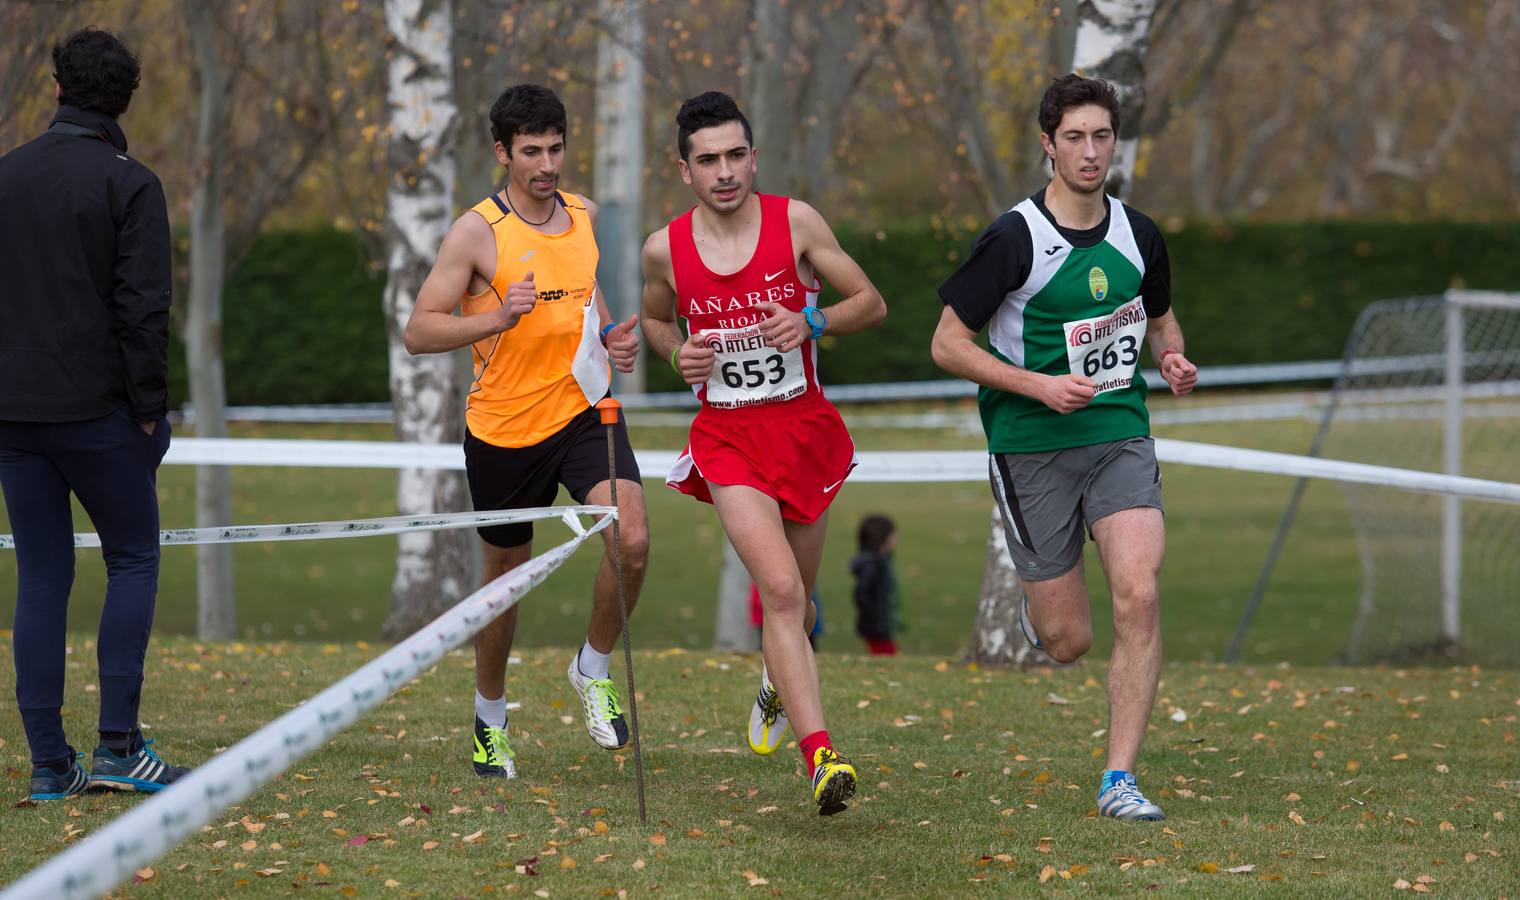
(810, 745)
(881, 646)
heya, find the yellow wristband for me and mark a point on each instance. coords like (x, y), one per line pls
(673, 358)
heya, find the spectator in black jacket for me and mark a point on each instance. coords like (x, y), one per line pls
(878, 611)
(84, 334)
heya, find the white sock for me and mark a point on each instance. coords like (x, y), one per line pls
(491, 712)
(765, 675)
(593, 663)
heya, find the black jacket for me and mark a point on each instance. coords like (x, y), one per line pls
(84, 277)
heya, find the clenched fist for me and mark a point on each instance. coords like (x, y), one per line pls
(1067, 393)
(623, 344)
(519, 301)
(694, 360)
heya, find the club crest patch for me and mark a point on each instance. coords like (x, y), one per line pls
(1097, 282)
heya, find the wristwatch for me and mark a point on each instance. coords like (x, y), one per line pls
(816, 320)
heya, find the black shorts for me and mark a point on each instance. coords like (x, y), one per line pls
(529, 477)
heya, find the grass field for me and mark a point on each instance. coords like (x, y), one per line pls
(1220, 525)
(1319, 782)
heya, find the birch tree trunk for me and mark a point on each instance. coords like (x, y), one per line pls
(431, 567)
(1110, 44)
(768, 101)
(216, 602)
(619, 165)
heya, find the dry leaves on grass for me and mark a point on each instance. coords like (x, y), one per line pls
(754, 880)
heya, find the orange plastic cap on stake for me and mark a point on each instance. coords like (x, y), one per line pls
(609, 409)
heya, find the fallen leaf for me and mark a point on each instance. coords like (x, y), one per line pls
(1241, 870)
(1047, 873)
(1401, 885)
(268, 873)
(754, 880)
(358, 840)
(475, 838)
(143, 875)
(1447, 826)
(429, 845)
(1297, 819)
(1208, 867)
(568, 862)
(639, 863)
(658, 839)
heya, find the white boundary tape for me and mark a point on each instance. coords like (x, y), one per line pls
(315, 531)
(110, 855)
(890, 467)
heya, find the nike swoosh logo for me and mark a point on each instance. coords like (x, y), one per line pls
(830, 488)
(774, 275)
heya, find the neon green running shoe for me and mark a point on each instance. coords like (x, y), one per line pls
(833, 781)
(604, 713)
(493, 755)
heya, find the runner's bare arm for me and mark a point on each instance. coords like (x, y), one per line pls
(1164, 335)
(661, 332)
(468, 248)
(955, 350)
(861, 306)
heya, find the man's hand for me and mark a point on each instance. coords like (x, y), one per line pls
(1179, 373)
(519, 301)
(694, 360)
(1067, 393)
(782, 328)
(148, 427)
(623, 344)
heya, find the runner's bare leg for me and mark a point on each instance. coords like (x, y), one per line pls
(754, 526)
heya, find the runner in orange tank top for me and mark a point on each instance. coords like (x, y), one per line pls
(767, 449)
(521, 268)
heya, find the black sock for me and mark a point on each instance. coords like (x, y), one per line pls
(58, 766)
(118, 742)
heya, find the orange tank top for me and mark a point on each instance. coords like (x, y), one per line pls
(523, 391)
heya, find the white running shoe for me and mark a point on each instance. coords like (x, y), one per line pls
(767, 720)
(1125, 802)
(604, 714)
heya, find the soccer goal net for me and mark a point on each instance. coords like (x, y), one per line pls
(1433, 383)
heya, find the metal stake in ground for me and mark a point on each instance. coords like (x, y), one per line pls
(609, 408)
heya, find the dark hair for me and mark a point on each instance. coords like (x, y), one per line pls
(707, 111)
(874, 531)
(1071, 91)
(95, 71)
(526, 109)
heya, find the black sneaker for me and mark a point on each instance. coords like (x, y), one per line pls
(493, 755)
(141, 770)
(49, 785)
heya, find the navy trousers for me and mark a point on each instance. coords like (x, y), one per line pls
(112, 467)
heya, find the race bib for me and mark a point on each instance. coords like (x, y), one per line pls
(747, 372)
(1107, 348)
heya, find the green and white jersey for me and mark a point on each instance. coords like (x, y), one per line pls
(1056, 301)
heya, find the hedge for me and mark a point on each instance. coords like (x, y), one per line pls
(302, 314)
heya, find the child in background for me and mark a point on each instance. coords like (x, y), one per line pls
(878, 615)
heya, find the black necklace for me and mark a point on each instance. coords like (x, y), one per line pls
(526, 220)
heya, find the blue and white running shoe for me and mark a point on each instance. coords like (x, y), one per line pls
(49, 785)
(1124, 801)
(141, 770)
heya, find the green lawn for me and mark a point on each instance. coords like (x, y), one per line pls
(1220, 525)
(1321, 782)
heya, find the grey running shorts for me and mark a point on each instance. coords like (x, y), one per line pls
(1046, 498)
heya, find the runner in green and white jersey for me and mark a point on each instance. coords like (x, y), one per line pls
(1069, 284)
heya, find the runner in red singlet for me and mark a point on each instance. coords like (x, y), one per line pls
(766, 448)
